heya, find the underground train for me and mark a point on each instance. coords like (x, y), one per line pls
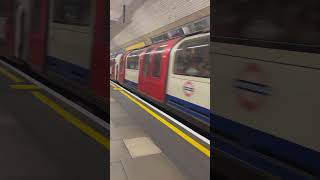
(265, 95)
(173, 74)
(63, 41)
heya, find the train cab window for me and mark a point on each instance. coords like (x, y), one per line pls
(133, 60)
(146, 62)
(72, 12)
(157, 62)
(192, 58)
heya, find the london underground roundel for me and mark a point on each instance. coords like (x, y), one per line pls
(251, 87)
(188, 88)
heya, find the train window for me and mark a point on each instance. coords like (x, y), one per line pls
(73, 12)
(133, 60)
(2, 8)
(162, 37)
(192, 58)
(36, 14)
(157, 62)
(269, 21)
(146, 63)
(2, 20)
(176, 33)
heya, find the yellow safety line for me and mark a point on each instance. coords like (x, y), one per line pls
(113, 85)
(197, 145)
(73, 120)
(11, 76)
(117, 89)
(24, 86)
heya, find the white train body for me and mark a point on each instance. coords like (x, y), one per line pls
(192, 90)
(268, 98)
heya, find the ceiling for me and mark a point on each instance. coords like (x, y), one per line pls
(116, 14)
(145, 16)
(116, 8)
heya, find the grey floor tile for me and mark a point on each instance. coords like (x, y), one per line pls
(123, 121)
(126, 132)
(155, 167)
(117, 111)
(112, 100)
(142, 146)
(117, 171)
(118, 151)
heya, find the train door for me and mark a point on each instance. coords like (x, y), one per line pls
(112, 69)
(144, 71)
(117, 72)
(158, 72)
(117, 61)
(38, 34)
(153, 75)
(122, 69)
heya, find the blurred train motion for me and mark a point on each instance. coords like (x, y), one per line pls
(63, 41)
(265, 96)
(173, 74)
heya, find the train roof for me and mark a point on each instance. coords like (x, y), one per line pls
(181, 37)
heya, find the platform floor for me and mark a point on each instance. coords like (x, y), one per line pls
(44, 138)
(144, 148)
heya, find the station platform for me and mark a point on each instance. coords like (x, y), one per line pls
(148, 144)
(43, 136)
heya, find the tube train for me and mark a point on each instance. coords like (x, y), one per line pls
(173, 74)
(265, 93)
(63, 41)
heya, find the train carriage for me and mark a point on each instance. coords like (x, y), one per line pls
(122, 68)
(63, 41)
(8, 35)
(154, 71)
(188, 86)
(173, 74)
(112, 68)
(117, 66)
(266, 113)
(132, 69)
